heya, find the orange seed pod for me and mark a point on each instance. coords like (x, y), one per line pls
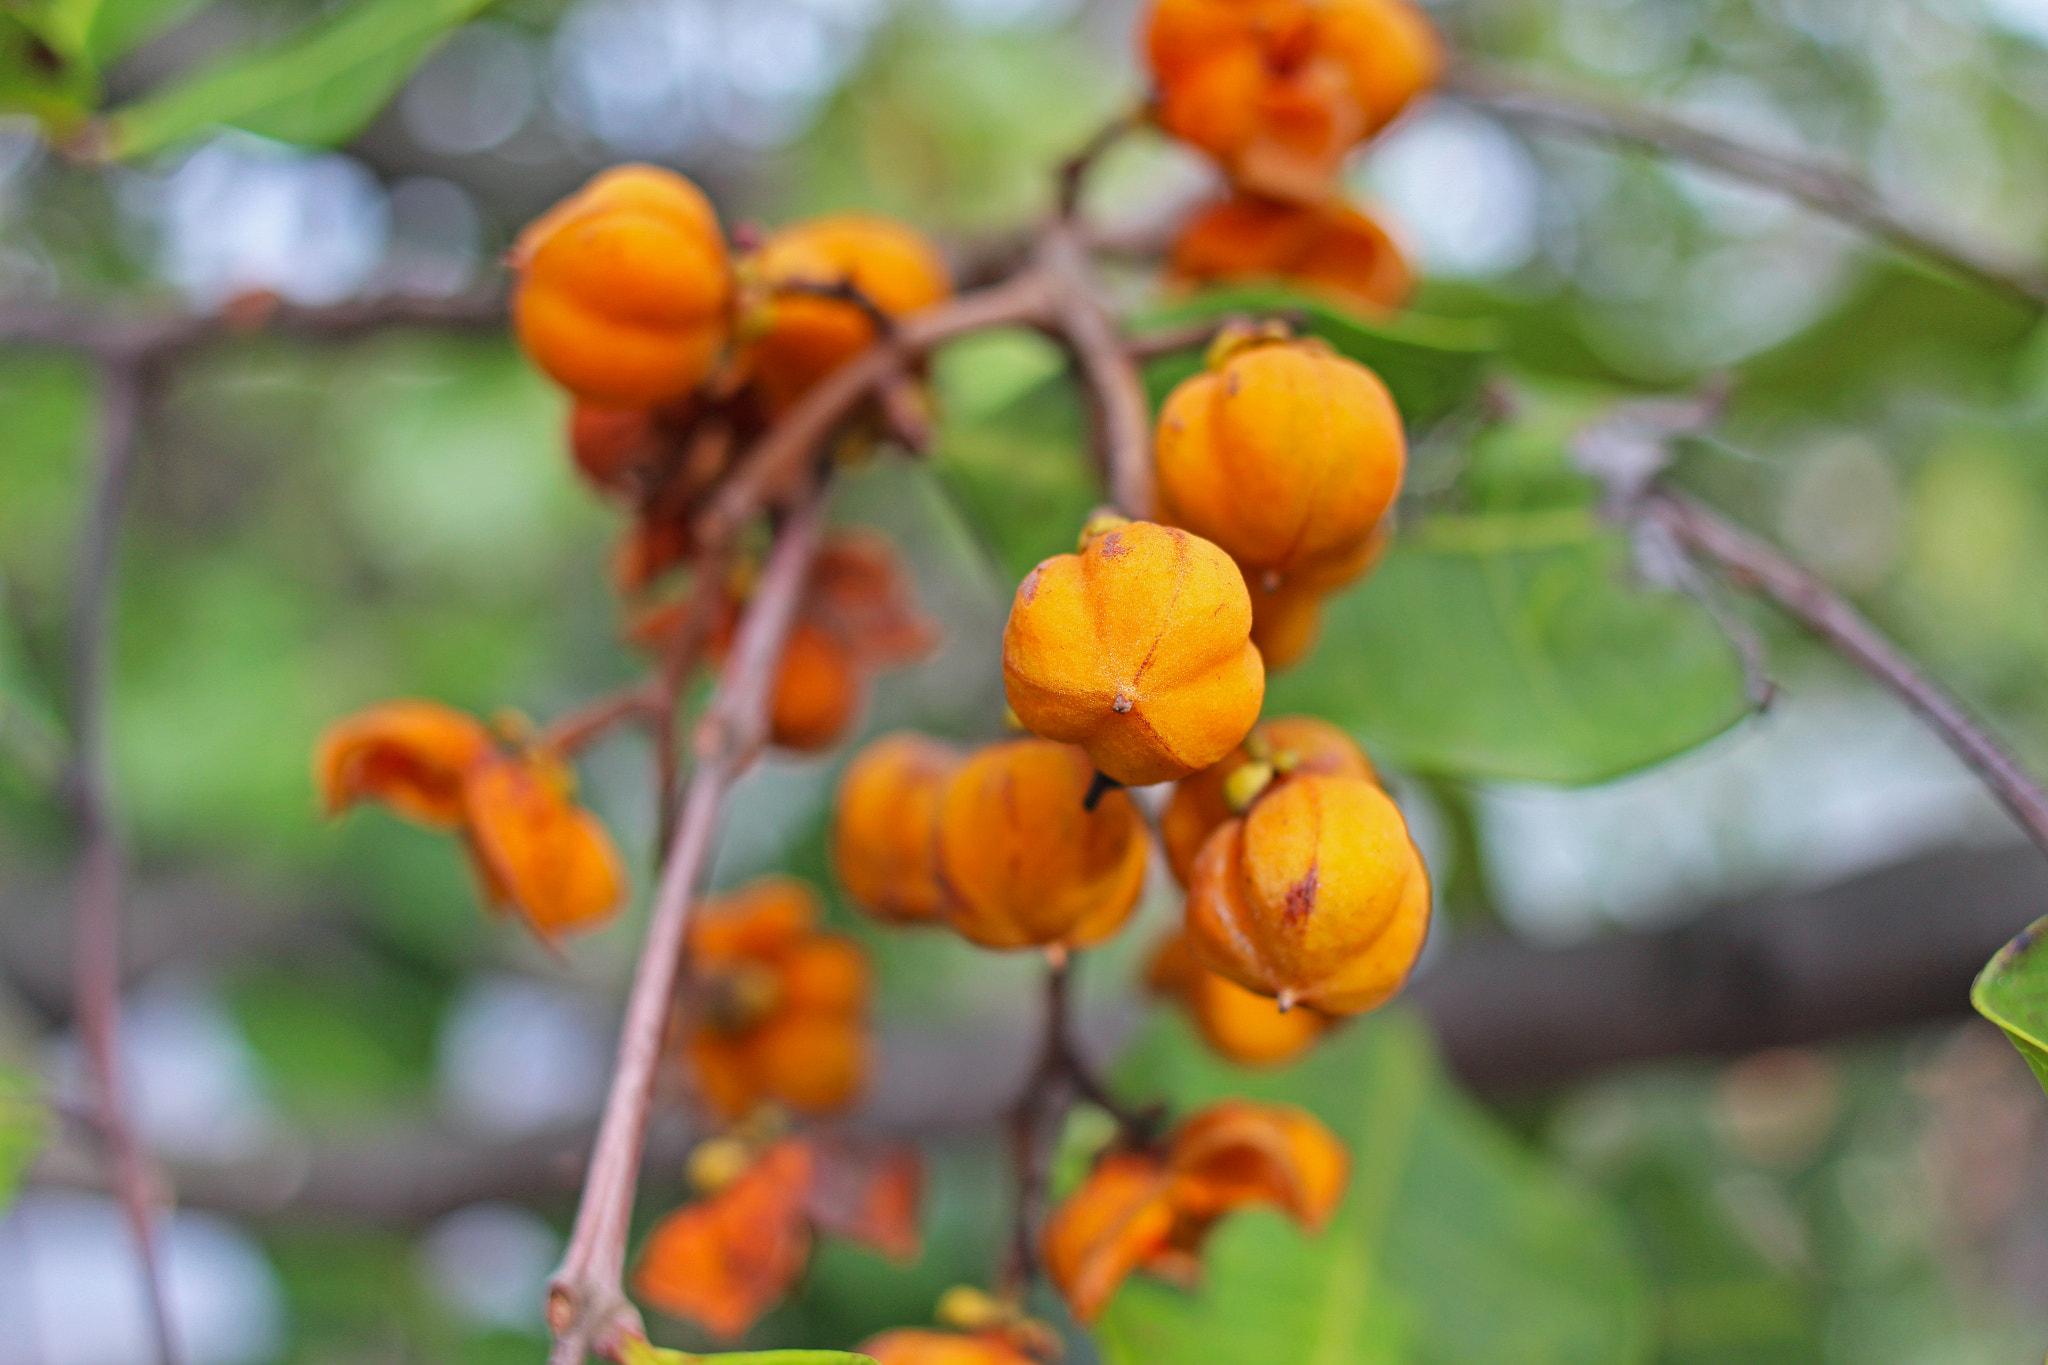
(1025, 864)
(1291, 746)
(1327, 248)
(807, 336)
(917, 1346)
(1246, 1028)
(885, 831)
(818, 691)
(1284, 453)
(624, 289)
(1315, 897)
(1139, 650)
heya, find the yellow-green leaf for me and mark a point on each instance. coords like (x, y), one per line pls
(2012, 992)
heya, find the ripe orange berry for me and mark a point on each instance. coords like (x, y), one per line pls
(624, 289)
(805, 337)
(1327, 248)
(885, 831)
(1276, 752)
(1247, 1028)
(1279, 90)
(1284, 453)
(1025, 864)
(1316, 897)
(817, 692)
(1139, 650)
(612, 447)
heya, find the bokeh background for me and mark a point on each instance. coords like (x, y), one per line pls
(370, 1096)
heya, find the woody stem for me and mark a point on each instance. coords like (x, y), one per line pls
(587, 1307)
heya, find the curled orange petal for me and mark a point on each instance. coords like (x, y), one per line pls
(724, 1261)
(1118, 1219)
(550, 858)
(1237, 1152)
(411, 755)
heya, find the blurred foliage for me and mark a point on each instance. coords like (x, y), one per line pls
(23, 1121)
(322, 527)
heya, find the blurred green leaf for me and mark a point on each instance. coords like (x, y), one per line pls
(1431, 365)
(637, 1352)
(1453, 1244)
(37, 78)
(98, 31)
(2012, 992)
(318, 87)
(1515, 645)
(1021, 474)
(22, 1129)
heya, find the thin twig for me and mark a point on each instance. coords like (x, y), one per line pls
(1116, 391)
(1752, 564)
(781, 458)
(586, 723)
(587, 1308)
(140, 334)
(97, 912)
(1822, 188)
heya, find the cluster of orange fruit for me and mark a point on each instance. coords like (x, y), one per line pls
(1278, 93)
(1139, 659)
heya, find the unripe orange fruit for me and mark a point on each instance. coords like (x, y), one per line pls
(1284, 453)
(885, 831)
(1279, 751)
(806, 337)
(817, 691)
(1139, 650)
(1328, 248)
(1025, 863)
(1279, 90)
(1246, 1028)
(624, 289)
(1316, 897)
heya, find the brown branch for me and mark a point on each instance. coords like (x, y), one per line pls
(96, 921)
(1822, 188)
(781, 459)
(1116, 391)
(587, 1308)
(141, 334)
(1751, 564)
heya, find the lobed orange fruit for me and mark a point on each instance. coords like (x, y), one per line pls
(1287, 747)
(916, 1346)
(1247, 1028)
(805, 337)
(885, 828)
(1024, 862)
(1139, 650)
(1283, 453)
(1317, 897)
(1287, 617)
(1327, 248)
(624, 289)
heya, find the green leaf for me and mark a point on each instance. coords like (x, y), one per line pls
(38, 78)
(1453, 1243)
(2012, 992)
(637, 1352)
(317, 87)
(1516, 645)
(23, 1126)
(1012, 452)
(1430, 365)
(99, 31)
